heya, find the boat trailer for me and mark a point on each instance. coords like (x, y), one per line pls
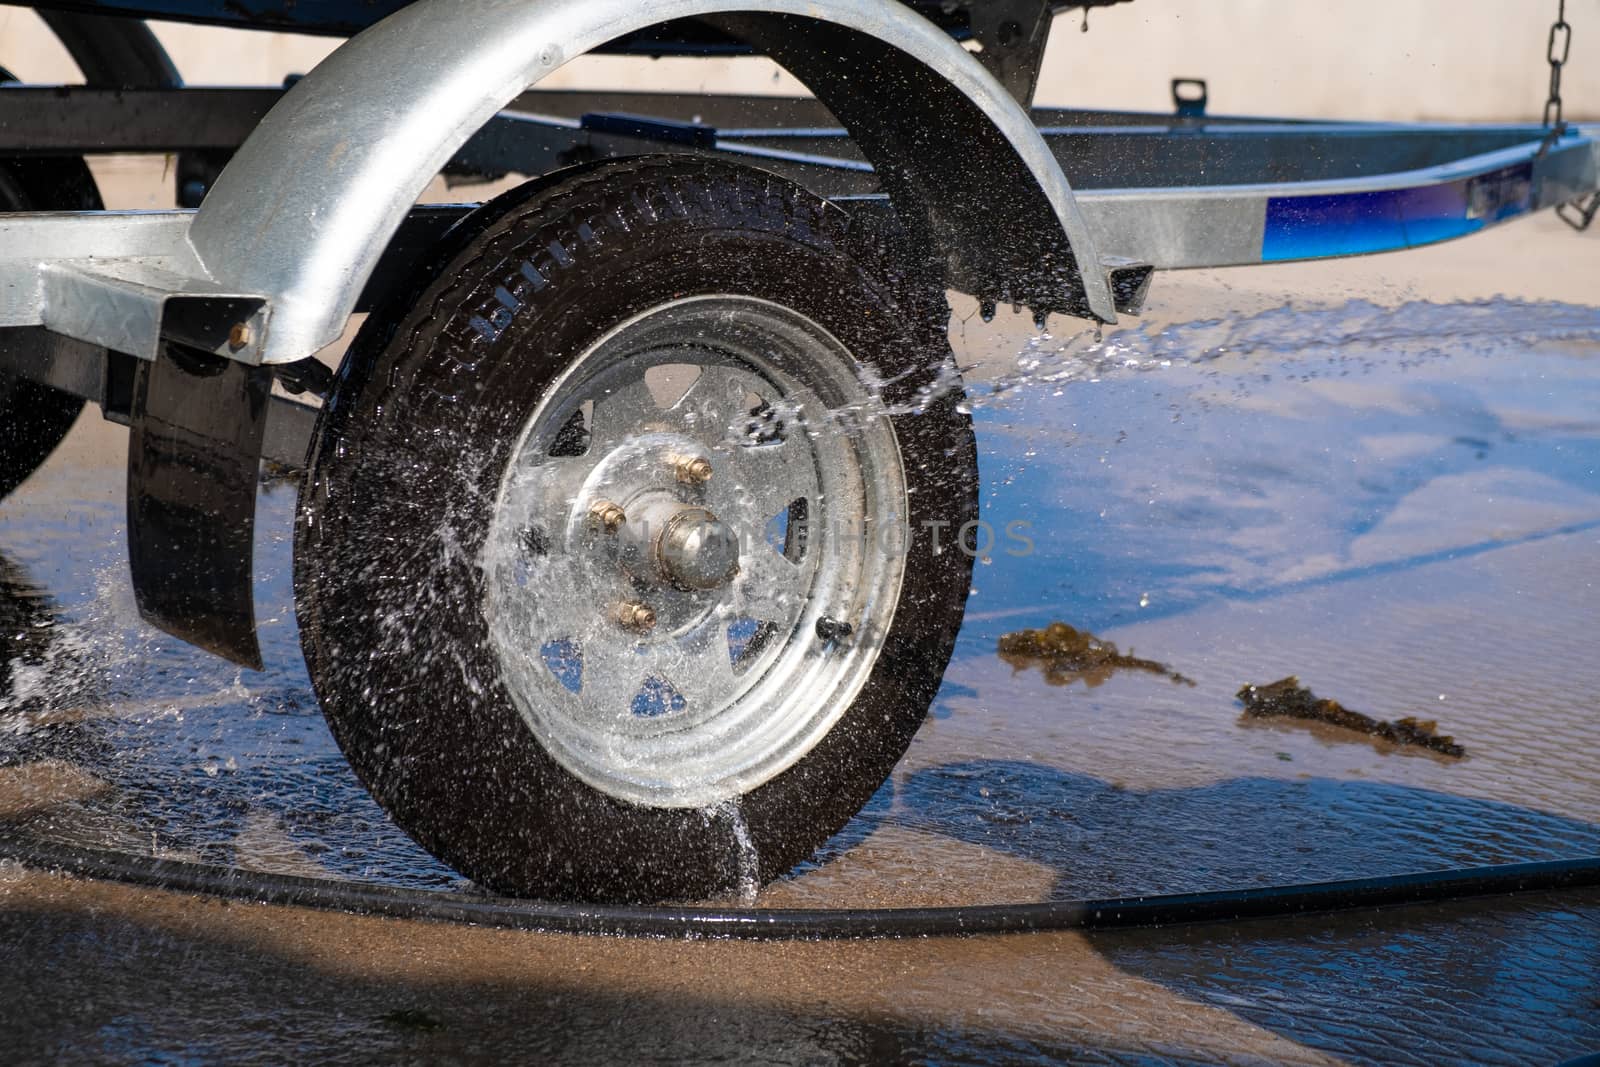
(612, 561)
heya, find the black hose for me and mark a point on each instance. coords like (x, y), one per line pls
(761, 924)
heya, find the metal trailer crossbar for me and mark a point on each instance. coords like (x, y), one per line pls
(783, 260)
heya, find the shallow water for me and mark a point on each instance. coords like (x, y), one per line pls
(1401, 506)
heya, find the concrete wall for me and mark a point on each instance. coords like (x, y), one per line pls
(1373, 59)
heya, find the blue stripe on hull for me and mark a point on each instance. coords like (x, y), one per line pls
(1352, 224)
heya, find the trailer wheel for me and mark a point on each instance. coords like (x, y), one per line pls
(619, 564)
(34, 418)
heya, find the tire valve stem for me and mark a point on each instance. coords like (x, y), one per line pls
(692, 470)
(832, 631)
(635, 616)
(608, 516)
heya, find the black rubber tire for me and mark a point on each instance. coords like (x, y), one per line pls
(35, 418)
(411, 447)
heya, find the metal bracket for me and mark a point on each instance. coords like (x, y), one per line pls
(197, 171)
(1013, 34)
(1189, 97)
(1582, 213)
(194, 456)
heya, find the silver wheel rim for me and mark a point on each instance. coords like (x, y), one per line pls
(693, 558)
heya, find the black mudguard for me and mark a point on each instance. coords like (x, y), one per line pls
(194, 457)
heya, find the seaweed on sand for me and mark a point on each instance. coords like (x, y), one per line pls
(1066, 654)
(1288, 699)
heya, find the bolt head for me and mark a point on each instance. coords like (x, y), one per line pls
(239, 336)
(608, 516)
(693, 470)
(635, 616)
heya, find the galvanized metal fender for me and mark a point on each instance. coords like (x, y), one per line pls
(302, 214)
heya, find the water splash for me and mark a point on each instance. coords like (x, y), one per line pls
(1357, 331)
(747, 859)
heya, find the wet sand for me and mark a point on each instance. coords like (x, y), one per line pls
(1384, 492)
(105, 973)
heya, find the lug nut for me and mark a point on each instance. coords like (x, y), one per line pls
(635, 616)
(832, 631)
(608, 516)
(692, 470)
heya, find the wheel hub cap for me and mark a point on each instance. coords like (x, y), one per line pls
(697, 550)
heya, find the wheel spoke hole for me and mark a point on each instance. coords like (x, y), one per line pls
(747, 638)
(565, 660)
(573, 437)
(668, 382)
(657, 697)
(788, 531)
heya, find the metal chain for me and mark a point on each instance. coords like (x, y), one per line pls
(1557, 51)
